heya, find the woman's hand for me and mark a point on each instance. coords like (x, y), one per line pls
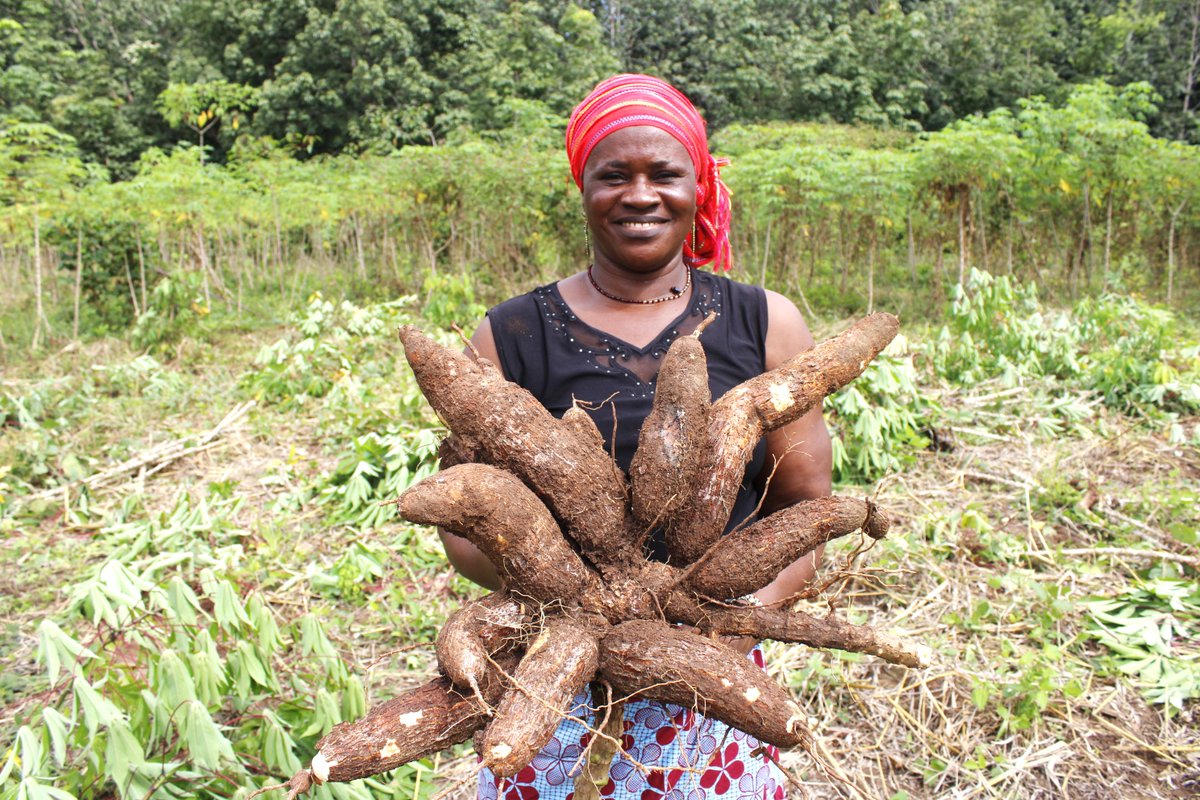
(469, 561)
(742, 644)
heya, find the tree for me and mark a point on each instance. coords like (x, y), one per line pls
(91, 70)
(529, 61)
(1155, 41)
(39, 170)
(953, 165)
(985, 54)
(203, 106)
(1089, 146)
(353, 74)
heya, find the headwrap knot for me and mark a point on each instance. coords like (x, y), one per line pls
(625, 101)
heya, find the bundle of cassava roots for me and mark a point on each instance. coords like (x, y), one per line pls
(566, 530)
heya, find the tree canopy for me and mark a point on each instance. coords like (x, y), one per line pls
(374, 75)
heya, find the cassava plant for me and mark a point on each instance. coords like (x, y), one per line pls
(565, 528)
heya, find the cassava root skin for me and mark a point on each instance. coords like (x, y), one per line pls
(580, 483)
(508, 523)
(424, 720)
(454, 450)
(672, 437)
(749, 559)
(471, 634)
(754, 408)
(557, 664)
(798, 627)
(581, 424)
(665, 663)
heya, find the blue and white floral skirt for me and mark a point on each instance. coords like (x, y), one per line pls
(689, 757)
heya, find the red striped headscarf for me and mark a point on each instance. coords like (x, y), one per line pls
(624, 101)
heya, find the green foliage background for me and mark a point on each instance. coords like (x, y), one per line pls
(379, 74)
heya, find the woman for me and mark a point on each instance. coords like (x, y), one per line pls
(655, 211)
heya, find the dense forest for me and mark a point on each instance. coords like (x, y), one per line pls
(325, 76)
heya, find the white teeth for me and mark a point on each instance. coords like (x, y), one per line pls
(640, 224)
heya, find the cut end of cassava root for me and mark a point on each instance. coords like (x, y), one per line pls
(546, 503)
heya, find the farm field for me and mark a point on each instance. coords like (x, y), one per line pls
(199, 579)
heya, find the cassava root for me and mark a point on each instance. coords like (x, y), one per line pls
(577, 480)
(508, 523)
(662, 662)
(669, 453)
(557, 664)
(546, 503)
(749, 559)
(760, 405)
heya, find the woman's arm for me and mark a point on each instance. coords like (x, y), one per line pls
(799, 453)
(464, 556)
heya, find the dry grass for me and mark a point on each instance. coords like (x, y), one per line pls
(894, 730)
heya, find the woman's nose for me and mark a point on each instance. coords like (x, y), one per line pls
(641, 191)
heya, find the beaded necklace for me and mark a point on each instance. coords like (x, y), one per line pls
(675, 293)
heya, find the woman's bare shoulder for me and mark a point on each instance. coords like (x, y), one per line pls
(484, 342)
(787, 332)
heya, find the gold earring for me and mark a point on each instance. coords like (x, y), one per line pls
(587, 239)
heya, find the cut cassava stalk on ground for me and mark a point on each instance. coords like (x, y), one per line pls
(548, 506)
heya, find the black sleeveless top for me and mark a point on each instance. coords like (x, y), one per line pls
(559, 358)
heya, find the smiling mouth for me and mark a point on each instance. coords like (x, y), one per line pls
(639, 225)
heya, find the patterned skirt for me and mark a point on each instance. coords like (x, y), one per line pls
(689, 757)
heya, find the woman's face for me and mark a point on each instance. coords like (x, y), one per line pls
(639, 197)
